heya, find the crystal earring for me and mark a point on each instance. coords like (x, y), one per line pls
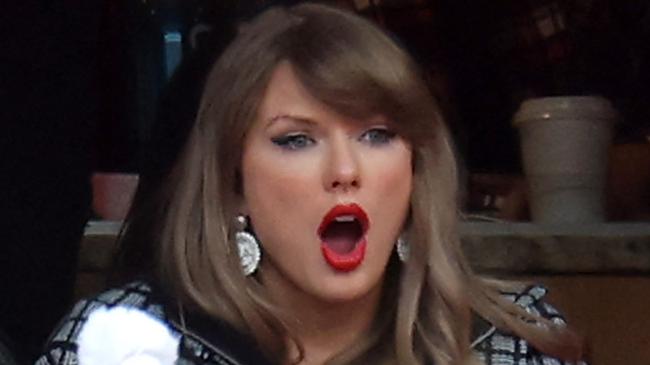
(247, 247)
(403, 249)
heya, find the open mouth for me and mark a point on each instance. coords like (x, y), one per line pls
(342, 233)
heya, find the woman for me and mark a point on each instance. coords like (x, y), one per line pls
(312, 217)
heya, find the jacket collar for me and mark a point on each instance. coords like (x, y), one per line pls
(217, 337)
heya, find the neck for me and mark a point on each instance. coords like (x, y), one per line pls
(323, 328)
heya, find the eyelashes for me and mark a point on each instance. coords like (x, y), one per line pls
(374, 137)
(378, 136)
(293, 141)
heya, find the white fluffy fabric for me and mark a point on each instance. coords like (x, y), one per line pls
(126, 336)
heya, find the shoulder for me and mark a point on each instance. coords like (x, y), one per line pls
(61, 348)
(203, 341)
(497, 347)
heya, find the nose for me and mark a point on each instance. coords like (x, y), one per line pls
(343, 169)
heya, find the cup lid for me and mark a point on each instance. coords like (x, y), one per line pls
(562, 107)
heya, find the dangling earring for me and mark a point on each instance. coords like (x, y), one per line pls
(247, 247)
(403, 249)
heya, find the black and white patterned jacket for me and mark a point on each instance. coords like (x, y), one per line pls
(208, 342)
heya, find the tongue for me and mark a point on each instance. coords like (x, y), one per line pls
(341, 237)
(341, 245)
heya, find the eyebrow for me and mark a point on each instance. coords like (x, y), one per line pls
(293, 118)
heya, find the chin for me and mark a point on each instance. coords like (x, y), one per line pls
(345, 287)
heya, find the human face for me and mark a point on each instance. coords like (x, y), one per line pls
(303, 165)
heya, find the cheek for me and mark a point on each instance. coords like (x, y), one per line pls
(398, 179)
(389, 190)
(274, 191)
(263, 182)
(394, 187)
(396, 176)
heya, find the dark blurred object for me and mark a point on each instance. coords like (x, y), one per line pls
(564, 47)
(144, 43)
(585, 47)
(49, 105)
(113, 194)
(629, 182)
(497, 196)
(6, 355)
(499, 53)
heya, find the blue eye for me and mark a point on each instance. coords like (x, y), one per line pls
(378, 136)
(293, 141)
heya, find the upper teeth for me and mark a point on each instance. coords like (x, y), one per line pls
(345, 218)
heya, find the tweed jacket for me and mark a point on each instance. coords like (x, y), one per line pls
(208, 342)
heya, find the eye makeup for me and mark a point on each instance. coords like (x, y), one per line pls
(293, 141)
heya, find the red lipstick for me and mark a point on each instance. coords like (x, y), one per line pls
(343, 236)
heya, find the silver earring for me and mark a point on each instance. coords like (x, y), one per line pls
(247, 247)
(403, 249)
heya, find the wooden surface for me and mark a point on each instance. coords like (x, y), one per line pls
(529, 249)
(493, 248)
(611, 312)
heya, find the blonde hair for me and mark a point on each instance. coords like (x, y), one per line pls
(354, 68)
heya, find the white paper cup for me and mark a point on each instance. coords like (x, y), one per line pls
(564, 144)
